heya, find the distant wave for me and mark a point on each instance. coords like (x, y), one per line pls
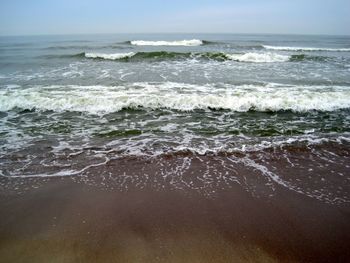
(192, 42)
(176, 96)
(218, 56)
(138, 56)
(109, 56)
(306, 49)
(249, 57)
(273, 57)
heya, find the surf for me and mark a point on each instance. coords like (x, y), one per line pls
(176, 96)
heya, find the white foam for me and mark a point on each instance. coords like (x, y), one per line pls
(192, 42)
(179, 96)
(110, 56)
(306, 48)
(61, 173)
(258, 57)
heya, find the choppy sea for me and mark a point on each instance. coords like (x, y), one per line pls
(199, 108)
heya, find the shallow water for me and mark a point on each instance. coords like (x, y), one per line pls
(276, 105)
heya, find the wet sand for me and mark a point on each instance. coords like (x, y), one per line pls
(61, 220)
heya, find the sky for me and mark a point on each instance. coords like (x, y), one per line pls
(37, 17)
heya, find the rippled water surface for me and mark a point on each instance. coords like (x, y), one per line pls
(276, 106)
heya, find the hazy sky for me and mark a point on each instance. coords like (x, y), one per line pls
(27, 17)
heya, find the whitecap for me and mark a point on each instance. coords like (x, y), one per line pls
(258, 57)
(192, 42)
(177, 96)
(114, 56)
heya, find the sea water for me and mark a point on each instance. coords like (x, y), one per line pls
(278, 105)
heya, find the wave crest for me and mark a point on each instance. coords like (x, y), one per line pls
(176, 96)
(259, 57)
(192, 42)
(250, 57)
(164, 55)
(115, 56)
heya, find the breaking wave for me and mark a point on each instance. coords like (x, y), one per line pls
(259, 57)
(109, 56)
(176, 96)
(250, 57)
(219, 56)
(139, 56)
(192, 42)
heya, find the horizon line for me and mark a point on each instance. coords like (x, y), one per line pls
(173, 33)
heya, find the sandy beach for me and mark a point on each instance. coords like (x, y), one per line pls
(65, 220)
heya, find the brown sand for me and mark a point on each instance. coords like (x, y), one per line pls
(66, 221)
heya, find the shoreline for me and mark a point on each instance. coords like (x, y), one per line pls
(159, 148)
(65, 220)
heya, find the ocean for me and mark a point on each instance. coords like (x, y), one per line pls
(193, 112)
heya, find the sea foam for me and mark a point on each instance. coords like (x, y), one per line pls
(258, 57)
(192, 42)
(177, 96)
(164, 55)
(114, 56)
